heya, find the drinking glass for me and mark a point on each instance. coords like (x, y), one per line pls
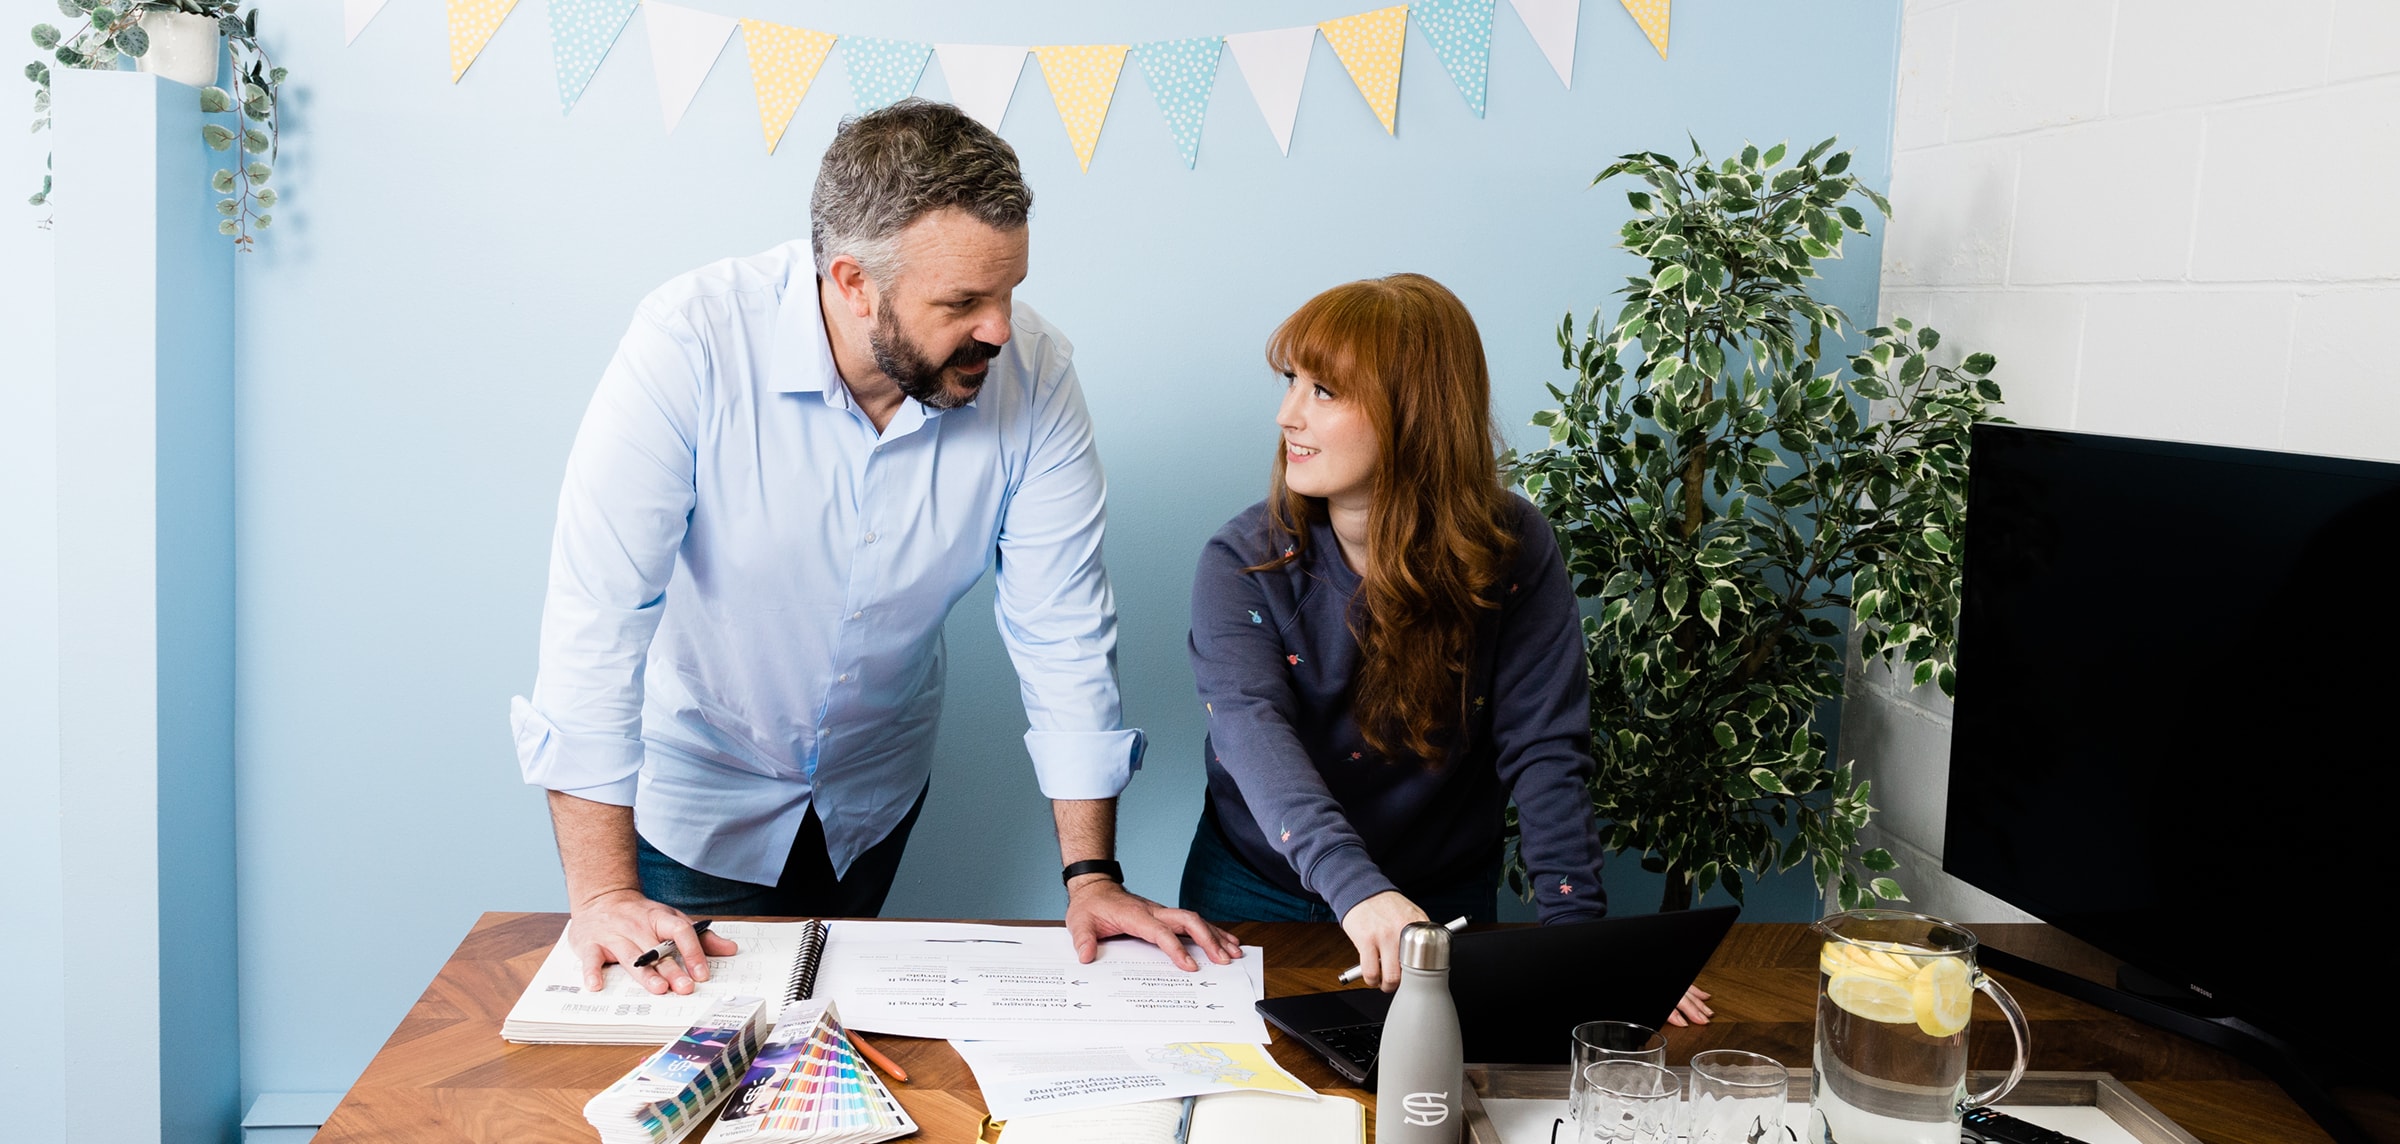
(1735, 1098)
(1627, 1102)
(1597, 1041)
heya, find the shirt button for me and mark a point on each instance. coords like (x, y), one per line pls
(870, 538)
(844, 679)
(858, 615)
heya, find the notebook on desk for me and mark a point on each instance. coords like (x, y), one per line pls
(778, 963)
(1521, 992)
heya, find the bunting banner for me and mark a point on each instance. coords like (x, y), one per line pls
(882, 72)
(1275, 65)
(1182, 74)
(684, 45)
(355, 14)
(1652, 16)
(783, 62)
(1461, 34)
(983, 78)
(1369, 46)
(1082, 78)
(1552, 23)
(581, 32)
(472, 23)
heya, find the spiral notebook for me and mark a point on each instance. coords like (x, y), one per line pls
(778, 960)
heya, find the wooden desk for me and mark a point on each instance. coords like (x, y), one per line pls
(446, 1075)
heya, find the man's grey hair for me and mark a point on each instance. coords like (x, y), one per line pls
(892, 166)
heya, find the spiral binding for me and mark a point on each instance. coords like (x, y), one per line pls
(803, 984)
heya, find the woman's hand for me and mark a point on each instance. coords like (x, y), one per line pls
(1692, 1010)
(1374, 927)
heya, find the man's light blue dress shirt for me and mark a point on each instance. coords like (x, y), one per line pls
(748, 582)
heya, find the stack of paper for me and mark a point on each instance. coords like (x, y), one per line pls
(959, 981)
(670, 1093)
(1219, 1118)
(808, 1086)
(1029, 1078)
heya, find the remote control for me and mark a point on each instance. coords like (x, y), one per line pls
(1991, 1126)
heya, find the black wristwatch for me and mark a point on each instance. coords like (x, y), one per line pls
(1103, 866)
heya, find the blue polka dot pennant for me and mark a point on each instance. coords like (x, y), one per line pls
(883, 72)
(1461, 33)
(581, 32)
(1182, 74)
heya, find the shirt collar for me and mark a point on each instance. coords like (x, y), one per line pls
(803, 361)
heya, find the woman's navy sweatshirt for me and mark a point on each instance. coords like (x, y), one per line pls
(1311, 807)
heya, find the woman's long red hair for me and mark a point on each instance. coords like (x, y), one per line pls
(1405, 350)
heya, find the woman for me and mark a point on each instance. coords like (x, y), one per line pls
(1389, 650)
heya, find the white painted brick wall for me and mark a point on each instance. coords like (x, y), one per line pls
(2108, 202)
(2168, 218)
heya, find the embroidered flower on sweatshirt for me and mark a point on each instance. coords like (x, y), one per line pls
(1256, 618)
(1292, 659)
(1565, 888)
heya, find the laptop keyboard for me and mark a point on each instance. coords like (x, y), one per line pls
(1357, 1043)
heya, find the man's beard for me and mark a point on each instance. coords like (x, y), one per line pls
(920, 377)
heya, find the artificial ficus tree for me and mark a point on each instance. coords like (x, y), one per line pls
(1727, 494)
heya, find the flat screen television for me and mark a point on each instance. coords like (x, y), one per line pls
(2174, 736)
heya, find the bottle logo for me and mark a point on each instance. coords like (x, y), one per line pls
(1426, 1109)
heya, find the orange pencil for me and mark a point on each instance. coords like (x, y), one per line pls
(876, 1055)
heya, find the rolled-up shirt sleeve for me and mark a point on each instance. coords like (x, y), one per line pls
(622, 514)
(1053, 605)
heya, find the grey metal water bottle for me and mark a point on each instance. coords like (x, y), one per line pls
(1420, 1072)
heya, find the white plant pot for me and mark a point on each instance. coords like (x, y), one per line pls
(183, 47)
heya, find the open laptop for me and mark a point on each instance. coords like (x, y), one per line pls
(1521, 992)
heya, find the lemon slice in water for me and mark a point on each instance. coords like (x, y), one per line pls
(1839, 958)
(1873, 997)
(1942, 997)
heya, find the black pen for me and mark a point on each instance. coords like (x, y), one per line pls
(664, 949)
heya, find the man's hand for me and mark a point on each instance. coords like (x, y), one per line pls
(623, 925)
(1692, 1010)
(1097, 907)
(1374, 927)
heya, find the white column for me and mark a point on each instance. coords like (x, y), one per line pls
(150, 1046)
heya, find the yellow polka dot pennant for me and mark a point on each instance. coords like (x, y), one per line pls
(783, 62)
(1369, 45)
(472, 23)
(1082, 79)
(1652, 16)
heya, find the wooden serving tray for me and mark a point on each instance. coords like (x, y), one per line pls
(2053, 1089)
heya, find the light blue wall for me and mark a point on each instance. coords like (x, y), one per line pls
(452, 265)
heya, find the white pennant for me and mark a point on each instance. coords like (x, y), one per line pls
(1552, 23)
(983, 78)
(355, 14)
(1275, 64)
(684, 45)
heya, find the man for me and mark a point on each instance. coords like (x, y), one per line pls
(791, 471)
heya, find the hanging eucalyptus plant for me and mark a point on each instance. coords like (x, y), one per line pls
(1727, 494)
(101, 32)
